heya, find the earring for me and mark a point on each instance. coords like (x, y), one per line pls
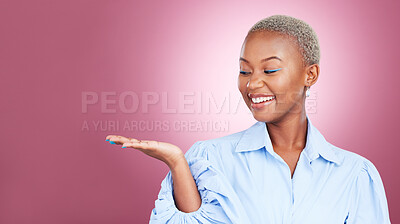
(308, 91)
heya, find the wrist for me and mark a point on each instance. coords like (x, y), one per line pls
(176, 162)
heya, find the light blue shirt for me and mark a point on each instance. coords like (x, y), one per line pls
(242, 180)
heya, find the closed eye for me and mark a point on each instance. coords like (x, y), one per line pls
(265, 71)
(272, 71)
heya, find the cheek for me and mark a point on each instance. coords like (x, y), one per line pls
(286, 89)
(242, 84)
(278, 85)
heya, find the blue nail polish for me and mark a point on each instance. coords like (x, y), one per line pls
(123, 147)
(112, 142)
(107, 139)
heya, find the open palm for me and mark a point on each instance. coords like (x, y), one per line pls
(166, 152)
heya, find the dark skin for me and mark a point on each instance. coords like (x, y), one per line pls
(285, 117)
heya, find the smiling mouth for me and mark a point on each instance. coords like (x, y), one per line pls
(259, 100)
(260, 97)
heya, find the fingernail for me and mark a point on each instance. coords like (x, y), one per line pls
(112, 142)
(107, 139)
(123, 147)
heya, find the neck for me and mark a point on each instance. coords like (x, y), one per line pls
(290, 133)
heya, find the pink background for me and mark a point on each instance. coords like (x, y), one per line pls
(53, 171)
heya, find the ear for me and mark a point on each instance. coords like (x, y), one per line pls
(312, 73)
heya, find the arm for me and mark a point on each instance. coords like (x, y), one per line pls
(219, 202)
(186, 196)
(369, 204)
(193, 191)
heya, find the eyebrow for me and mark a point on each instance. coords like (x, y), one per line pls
(262, 60)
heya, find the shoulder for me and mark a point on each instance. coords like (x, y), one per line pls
(355, 163)
(368, 203)
(215, 146)
(228, 141)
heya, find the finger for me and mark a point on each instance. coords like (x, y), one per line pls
(133, 139)
(119, 140)
(108, 137)
(140, 144)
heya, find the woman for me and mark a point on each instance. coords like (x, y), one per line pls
(281, 169)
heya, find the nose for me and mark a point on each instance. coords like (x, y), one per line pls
(255, 81)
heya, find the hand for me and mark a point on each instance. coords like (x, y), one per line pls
(187, 197)
(166, 152)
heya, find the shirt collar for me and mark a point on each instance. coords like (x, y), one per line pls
(257, 137)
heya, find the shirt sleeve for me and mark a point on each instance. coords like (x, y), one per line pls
(369, 204)
(219, 203)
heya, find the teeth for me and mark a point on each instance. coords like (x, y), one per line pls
(262, 99)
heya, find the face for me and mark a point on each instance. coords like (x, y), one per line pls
(272, 78)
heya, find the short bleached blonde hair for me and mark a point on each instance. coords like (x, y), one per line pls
(305, 36)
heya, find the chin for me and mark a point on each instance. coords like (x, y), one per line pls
(264, 116)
